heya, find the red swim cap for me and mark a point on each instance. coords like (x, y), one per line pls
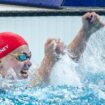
(10, 41)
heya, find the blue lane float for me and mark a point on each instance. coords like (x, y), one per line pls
(57, 3)
(83, 3)
(40, 3)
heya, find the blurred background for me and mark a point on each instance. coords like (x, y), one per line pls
(38, 20)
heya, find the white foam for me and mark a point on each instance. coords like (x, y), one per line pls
(11, 74)
(64, 73)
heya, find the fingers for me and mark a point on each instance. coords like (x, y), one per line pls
(87, 16)
(49, 41)
(91, 17)
(94, 17)
(54, 45)
(54, 42)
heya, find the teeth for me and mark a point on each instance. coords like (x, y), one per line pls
(23, 72)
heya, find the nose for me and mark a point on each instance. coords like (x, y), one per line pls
(28, 63)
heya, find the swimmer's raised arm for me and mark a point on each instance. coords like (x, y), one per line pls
(42, 72)
(53, 47)
(91, 23)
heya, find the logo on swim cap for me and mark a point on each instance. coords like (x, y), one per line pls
(3, 49)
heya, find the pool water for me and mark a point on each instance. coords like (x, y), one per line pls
(70, 83)
(53, 95)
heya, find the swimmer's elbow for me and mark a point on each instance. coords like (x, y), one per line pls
(74, 57)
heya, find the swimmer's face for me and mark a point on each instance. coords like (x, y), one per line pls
(20, 61)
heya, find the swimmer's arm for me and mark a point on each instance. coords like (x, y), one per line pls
(42, 72)
(91, 23)
(49, 60)
(77, 46)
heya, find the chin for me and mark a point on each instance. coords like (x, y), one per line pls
(24, 76)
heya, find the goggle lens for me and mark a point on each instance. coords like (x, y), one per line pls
(22, 57)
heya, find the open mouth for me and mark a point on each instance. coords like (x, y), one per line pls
(24, 73)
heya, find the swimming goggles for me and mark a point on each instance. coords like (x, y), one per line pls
(22, 57)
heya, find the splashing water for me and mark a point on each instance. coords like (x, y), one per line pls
(64, 73)
(90, 68)
(92, 65)
(70, 83)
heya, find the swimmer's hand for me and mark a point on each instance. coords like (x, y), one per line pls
(91, 22)
(53, 48)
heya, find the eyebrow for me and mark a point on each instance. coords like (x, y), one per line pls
(20, 53)
(25, 52)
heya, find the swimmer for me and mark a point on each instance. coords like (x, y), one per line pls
(15, 52)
